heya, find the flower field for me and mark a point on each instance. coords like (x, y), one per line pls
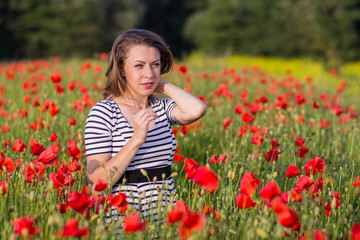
(277, 156)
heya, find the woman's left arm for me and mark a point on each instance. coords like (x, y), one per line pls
(189, 107)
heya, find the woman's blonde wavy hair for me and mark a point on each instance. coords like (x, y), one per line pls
(116, 81)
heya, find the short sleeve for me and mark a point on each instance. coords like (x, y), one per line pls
(169, 106)
(98, 130)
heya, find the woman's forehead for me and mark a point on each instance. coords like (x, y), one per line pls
(143, 53)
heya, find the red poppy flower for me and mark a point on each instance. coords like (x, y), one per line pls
(178, 157)
(61, 180)
(53, 137)
(73, 150)
(244, 201)
(206, 209)
(332, 205)
(193, 221)
(3, 187)
(36, 102)
(277, 204)
(315, 235)
(275, 144)
(7, 163)
(78, 202)
(61, 207)
(85, 190)
(249, 183)
(184, 129)
(183, 69)
(72, 121)
(36, 149)
(257, 140)
(5, 128)
(255, 129)
(355, 231)
(27, 98)
(316, 105)
(59, 88)
(357, 184)
(55, 78)
(302, 151)
(300, 99)
(19, 146)
(48, 157)
(133, 223)
(227, 122)
(217, 215)
(272, 155)
(23, 113)
(74, 166)
(296, 194)
(270, 190)
(206, 178)
(55, 147)
(292, 171)
(288, 218)
(118, 201)
(190, 166)
(246, 118)
(304, 182)
(63, 169)
(24, 226)
(71, 229)
(238, 109)
(315, 166)
(299, 141)
(178, 212)
(100, 185)
(263, 100)
(35, 169)
(281, 102)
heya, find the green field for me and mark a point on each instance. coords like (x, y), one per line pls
(310, 111)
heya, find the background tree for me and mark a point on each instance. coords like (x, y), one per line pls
(327, 30)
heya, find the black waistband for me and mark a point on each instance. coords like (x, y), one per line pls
(136, 176)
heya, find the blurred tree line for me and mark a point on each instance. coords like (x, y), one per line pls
(322, 29)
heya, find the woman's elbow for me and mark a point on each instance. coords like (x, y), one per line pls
(200, 111)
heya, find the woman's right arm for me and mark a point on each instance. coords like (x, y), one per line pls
(111, 169)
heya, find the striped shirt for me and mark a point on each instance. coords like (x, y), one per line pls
(107, 131)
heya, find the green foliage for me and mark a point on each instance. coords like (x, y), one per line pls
(69, 28)
(321, 29)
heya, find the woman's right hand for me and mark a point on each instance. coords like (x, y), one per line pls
(142, 120)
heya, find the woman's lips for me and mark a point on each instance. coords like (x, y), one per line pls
(148, 85)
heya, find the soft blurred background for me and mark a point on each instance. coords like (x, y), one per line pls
(327, 31)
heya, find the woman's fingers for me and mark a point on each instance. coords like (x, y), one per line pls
(141, 122)
(144, 115)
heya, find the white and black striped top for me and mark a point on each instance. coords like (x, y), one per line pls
(107, 131)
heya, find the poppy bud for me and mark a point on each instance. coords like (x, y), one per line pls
(143, 172)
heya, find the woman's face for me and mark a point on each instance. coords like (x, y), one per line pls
(142, 70)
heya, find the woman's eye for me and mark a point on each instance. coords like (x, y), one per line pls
(156, 64)
(138, 65)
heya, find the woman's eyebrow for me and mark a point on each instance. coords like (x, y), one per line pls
(140, 61)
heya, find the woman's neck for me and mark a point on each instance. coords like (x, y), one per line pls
(135, 103)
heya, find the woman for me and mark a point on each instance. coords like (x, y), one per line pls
(131, 128)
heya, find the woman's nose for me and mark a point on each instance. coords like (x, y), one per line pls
(149, 72)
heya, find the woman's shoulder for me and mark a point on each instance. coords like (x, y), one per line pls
(105, 104)
(163, 102)
(107, 107)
